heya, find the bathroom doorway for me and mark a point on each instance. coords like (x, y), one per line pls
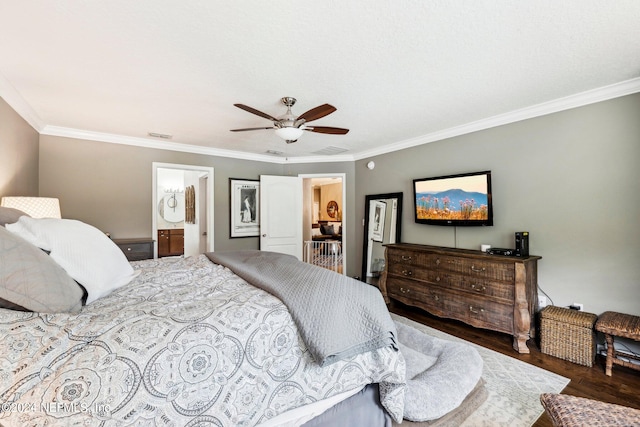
(182, 209)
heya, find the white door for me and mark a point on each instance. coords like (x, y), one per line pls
(281, 214)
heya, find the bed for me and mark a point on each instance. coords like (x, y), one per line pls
(185, 341)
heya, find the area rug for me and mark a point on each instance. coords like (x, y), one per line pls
(513, 386)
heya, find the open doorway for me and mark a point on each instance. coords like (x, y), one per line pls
(324, 202)
(182, 209)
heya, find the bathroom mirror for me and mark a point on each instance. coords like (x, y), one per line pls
(382, 225)
(171, 207)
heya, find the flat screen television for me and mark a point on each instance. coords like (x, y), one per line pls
(458, 200)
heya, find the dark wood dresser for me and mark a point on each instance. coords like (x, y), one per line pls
(486, 291)
(170, 242)
(136, 249)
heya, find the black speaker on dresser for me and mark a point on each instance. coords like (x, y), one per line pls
(522, 243)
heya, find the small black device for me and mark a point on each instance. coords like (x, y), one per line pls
(501, 251)
(522, 243)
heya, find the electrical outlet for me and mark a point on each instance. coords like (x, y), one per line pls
(542, 301)
(580, 306)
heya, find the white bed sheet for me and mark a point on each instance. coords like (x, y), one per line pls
(298, 416)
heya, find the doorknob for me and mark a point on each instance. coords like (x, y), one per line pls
(264, 235)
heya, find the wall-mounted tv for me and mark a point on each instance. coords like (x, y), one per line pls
(462, 199)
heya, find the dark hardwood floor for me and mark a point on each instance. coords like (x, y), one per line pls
(621, 388)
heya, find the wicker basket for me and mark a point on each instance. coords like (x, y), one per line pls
(568, 334)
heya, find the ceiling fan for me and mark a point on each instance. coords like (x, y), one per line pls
(289, 127)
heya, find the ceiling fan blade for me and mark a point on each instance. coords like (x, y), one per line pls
(317, 113)
(326, 129)
(256, 112)
(242, 130)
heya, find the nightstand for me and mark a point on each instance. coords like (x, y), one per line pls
(136, 249)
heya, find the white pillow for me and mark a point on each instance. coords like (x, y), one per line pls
(85, 252)
(316, 232)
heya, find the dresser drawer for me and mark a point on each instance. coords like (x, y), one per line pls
(397, 287)
(479, 286)
(412, 258)
(136, 249)
(411, 271)
(482, 313)
(478, 269)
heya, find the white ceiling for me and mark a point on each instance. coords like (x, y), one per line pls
(400, 73)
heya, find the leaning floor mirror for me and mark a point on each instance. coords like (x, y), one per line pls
(382, 225)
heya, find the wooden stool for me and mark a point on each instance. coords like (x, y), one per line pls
(619, 325)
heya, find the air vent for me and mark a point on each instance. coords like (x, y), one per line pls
(330, 151)
(275, 153)
(160, 135)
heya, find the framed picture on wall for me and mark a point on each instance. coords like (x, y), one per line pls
(377, 220)
(245, 209)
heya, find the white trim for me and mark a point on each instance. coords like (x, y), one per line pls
(18, 103)
(148, 143)
(321, 159)
(627, 87)
(184, 148)
(605, 93)
(345, 229)
(154, 201)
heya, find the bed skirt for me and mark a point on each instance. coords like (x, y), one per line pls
(360, 410)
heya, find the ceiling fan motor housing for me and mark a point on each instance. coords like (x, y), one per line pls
(288, 101)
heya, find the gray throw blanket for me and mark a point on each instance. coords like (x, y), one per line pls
(338, 317)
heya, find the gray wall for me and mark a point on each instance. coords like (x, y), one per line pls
(18, 154)
(571, 179)
(110, 186)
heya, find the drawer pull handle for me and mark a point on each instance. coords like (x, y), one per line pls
(406, 258)
(438, 261)
(479, 288)
(478, 270)
(471, 309)
(407, 272)
(405, 291)
(438, 279)
(436, 297)
(128, 249)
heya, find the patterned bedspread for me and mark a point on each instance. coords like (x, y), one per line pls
(186, 343)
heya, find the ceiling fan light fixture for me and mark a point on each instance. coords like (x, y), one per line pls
(289, 133)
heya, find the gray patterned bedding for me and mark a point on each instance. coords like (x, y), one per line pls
(186, 343)
(337, 316)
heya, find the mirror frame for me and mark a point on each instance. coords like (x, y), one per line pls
(365, 246)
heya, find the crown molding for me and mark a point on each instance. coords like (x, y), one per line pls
(185, 148)
(18, 103)
(159, 145)
(581, 99)
(627, 87)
